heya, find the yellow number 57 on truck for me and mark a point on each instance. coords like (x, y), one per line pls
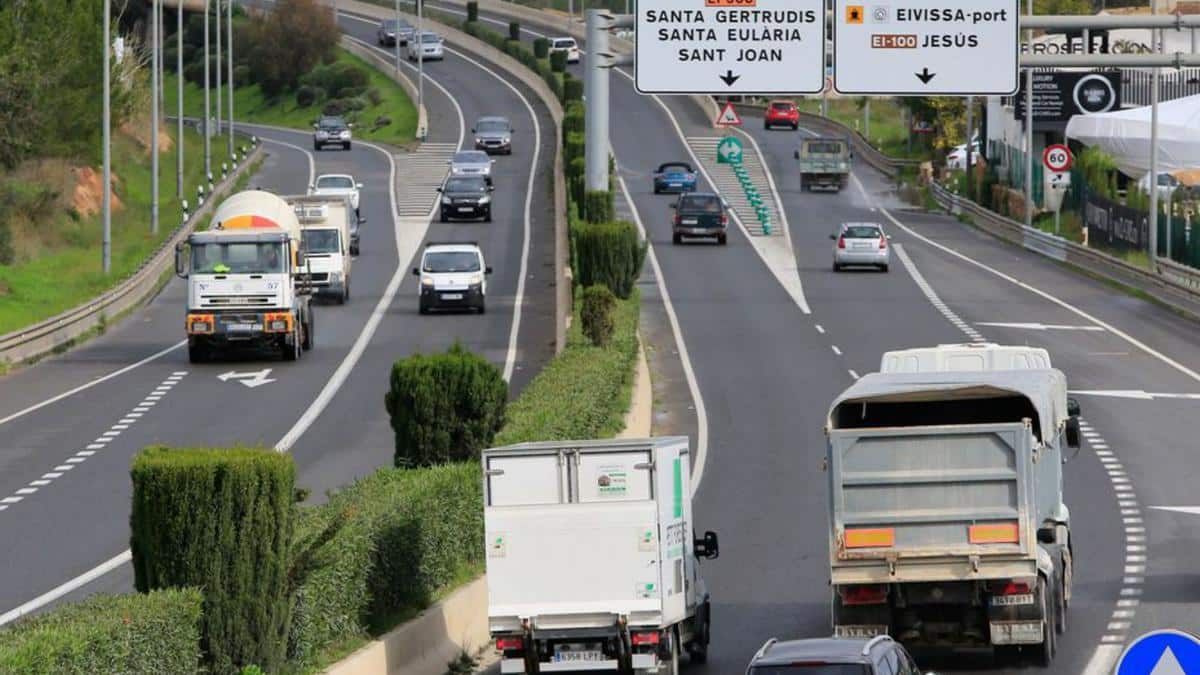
(246, 280)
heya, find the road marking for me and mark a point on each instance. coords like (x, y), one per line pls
(820, 329)
(680, 345)
(252, 379)
(1190, 510)
(62, 590)
(836, 350)
(1039, 326)
(853, 374)
(1134, 394)
(932, 295)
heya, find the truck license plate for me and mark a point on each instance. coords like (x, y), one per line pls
(1007, 600)
(244, 326)
(859, 631)
(579, 656)
(1016, 632)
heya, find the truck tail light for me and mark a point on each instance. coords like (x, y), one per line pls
(841, 242)
(648, 638)
(871, 594)
(870, 538)
(510, 642)
(1009, 587)
(201, 324)
(277, 322)
(993, 533)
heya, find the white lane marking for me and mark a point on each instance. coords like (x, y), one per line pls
(96, 446)
(786, 271)
(92, 383)
(820, 329)
(680, 345)
(1190, 510)
(836, 350)
(40, 482)
(853, 374)
(1039, 326)
(932, 295)
(63, 467)
(85, 453)
(1134, 394)
(11, 500)
(52, 475)
(27, 491)
(76, 460)
(62, 590)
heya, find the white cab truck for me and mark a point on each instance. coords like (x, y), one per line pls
(246, 280)
(948, 527)
(329, 232)
(592, 562)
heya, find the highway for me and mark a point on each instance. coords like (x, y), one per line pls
(93, 408)
(767, 372)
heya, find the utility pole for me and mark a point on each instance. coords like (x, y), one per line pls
(229, 67)
(106, 200)
(596, 111)
(396, 44)
(219, 59)
(1028, 128)
(420, 53)
(154, 50)
(179, 100)
(1157, 36)
(867, 118)
(207, 109)
(970, 128)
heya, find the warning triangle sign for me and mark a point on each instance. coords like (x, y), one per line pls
(728, 117)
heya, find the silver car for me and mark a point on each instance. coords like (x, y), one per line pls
(472, 163)
(861, 244)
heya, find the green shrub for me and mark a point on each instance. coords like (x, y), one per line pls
(138, 634)
(541, 47)
(472, 11)
(251, 670)
(576, 168)
(356, 104)
(558, 61)
(337, 106)
(338, 77)
(572, 88)
(574, 119)
(305, 96)
(598, 206)
(584, 391)
(445, 407)
(609, 254)
(381, 122)
(597, 314)
(375, 96)
(573, 145)
(220, 520)
(514, 31)
(351, 92)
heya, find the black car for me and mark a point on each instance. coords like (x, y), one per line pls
(390, 30)
(493, 134)
(331, 130)
(700, 214)
(466, 197)
(833, 656)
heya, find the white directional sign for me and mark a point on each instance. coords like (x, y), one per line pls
(252, 379)
(925, 47)
(730, 46)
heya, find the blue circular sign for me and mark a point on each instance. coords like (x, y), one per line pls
(1161, 652)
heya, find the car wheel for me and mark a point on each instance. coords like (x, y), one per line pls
(422, 308)
(482, 306)
(766, 124)
(883, 268)
(442, 216)
(803, 184)
(837, 267)
(721, 239)
(316, 146)
(346, 145)
(657, 191)
(795, 126)
(677, 239)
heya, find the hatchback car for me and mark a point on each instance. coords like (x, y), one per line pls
(861, 244)
(331, 130)
(453, 276)
(674, 177)
(427, 48)
(880, 655)
(700, 214)
(783, 114)
(390, 31)
(472, 163)
(493, 134)
(566, 45)
(466, 197)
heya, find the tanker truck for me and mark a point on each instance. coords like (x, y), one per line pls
(247, 281)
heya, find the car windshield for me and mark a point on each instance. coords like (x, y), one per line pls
(802, 668)
(465, 184)
(471, 157)
(675, 168)
(824, 148)
(430, 38)
(705, 203)
(493, 126)
(451, 261)
(237, 258)
(335, 183)
(333, 124)
(784, 106)
(862, 232)
(563, 44)
(390, 24)
(320, 241)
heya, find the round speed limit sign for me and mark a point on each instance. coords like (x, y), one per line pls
(1057, 158)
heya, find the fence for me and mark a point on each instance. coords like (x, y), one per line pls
(1172, 84)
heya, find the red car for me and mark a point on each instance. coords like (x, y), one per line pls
(782, 113)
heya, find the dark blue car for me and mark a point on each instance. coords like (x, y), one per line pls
(674, 177)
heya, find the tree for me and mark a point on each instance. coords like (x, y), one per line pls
(288, 41)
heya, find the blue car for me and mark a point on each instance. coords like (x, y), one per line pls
(674, 177)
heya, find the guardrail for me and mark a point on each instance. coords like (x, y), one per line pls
(63, 330)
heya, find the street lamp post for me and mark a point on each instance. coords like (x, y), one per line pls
(229, 67)
(106, 200)
(396, 44)
(179, 101)
(207, 109)
(420, 53)
(154, 50)
(217, 18)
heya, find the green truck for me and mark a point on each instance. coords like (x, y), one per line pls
(824, 162)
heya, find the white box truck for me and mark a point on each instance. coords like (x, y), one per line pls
(330, 236)
(592, 561)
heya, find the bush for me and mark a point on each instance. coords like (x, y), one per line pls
(472, 11)
(351, 92)
(381, 122)
(445, 407)
(558, 61)
(609, 254)
(584, 391)
(139, 634)
(572, 88)
(576, 168)
(7, 254)
(598, 206)
(574, 118)
(305, 96)
(356, 104)
(574, 145)
(346, 80)
(597, 314)
(337, 106)
(220, 520)
(288, 41)
(241, 75)
(375, 96)
(541, 47)
(514, 31)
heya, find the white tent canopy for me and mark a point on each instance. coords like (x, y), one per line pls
(1125, 135)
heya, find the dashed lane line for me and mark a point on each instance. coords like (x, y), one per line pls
(932, 295)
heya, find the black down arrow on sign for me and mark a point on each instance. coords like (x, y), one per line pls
(925, 76)
(729, 78)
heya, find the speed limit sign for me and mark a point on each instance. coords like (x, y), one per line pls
(1057, 158)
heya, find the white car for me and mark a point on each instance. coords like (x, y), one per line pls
(565, 44)
(957, 159)
(429, 46)
(337, 184)
(472, 163)
(453, 276)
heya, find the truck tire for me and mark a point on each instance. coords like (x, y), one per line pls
(290, 352)
(197, 353)
(698, 647)
(1044, 654)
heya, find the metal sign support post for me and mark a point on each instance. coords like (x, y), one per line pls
(967, 166)
(420, 53)
(207, 109)
(1028, 129)
(229, 67)
(218, 27)
(1154, 155)
(596, 111)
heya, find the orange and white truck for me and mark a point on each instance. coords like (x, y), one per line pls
(247, 280)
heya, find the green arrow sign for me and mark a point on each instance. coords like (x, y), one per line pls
(729, 151)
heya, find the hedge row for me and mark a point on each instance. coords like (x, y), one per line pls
(139, 634)
(387, 545)
(585, 391)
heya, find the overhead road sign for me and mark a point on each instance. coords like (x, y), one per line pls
(926, 47)
(728, 117)
(730, 46)
(1161, 652)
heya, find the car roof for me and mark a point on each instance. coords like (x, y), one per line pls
(838, 650)
(700, 194)
(453, 248)
(862, 224)
(492, 118)
(666, 164)
(781, 100)
(477, 154)
(335, 175)
(332, 119)
(563, 39)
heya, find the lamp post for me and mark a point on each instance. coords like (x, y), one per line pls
(207, 108)
(154, 91)
(106, 200)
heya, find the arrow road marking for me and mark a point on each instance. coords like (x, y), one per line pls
(252, 379)
(925, 76)
(1190, 510)
(1134, 393)
(729, 78)
(1041, 326)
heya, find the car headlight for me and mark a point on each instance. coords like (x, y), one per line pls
(335, 276)
(475, 279)
(486, 199)
(426, 281)
(506, 140)
(447, 201)
(478, 140)
(456, 169)
(346, 134)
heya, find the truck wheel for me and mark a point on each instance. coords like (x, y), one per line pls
(309, 336)
(698, 648)
(1060, 594)
(1044, 655)
(290, 352)
(197, 353)
(672, 658)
